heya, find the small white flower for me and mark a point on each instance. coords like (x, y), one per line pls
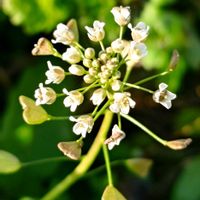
(122, 103)
(115, 138)
(73, 99)
(118, 45)
(121, 15)
(98, 96)
(63, 35)
(163, 96)
(83, 126)
(96, 33)
(77, 70)
(139, 32)
(55, 74)
(44, 95)
(72, 55)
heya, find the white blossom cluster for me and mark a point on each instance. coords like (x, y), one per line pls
(100, 71)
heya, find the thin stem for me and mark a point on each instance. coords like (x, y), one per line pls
(79, 46)
(127, 74)
(43, 161)
(58, 117)
(102, 46)
(101, 111)
(151, 77)
(149, 132)
(89, 87)
(68, 73)
(108, 167)
(121, 32)
(139, 87)
(85, 163)
(57, 54)
(119, 120)
(95, 110)
(60, 95)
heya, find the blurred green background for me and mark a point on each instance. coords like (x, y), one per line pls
(174, 24)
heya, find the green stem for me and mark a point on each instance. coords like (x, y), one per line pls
(151, 77)
(58, 117)
(149, 132)
(121, 32)
(139, 87)
(108, 167)
(85, 163)
(102, 46)
(79, 46)
(127, 74)
(89, 87)
(119, 120)
(43, 161)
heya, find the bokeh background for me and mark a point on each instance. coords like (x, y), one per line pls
(174, 24)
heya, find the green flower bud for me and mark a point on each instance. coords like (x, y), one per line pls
(32, 114)
(87, 62)
(89, 53)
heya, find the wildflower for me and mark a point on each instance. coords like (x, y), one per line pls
(139, 32)
(96, 33)
(84, 125)
(55, 74)
(115, 138)
(77, 70)
(44, 95)
(98, 96)
(163, 96)
(73, 99)
(72, 55)
(116, 85)
(118, 45)
(63, 34)
(136, 52)
(122, 103)
(43, 47)
(121, 15)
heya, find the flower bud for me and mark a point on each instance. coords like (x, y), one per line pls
(118, 45)
(89, 53)
(32, 113)
(116, 85)
(174, 60)
(96, 63)
(88, 78)
(72, 55)
(179, 144)
(71, 149)
(87, 62)
(121, 15)
(77, 70)
(43, 47)
(98, 96)
(92, 71)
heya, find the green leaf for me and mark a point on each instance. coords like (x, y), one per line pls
(139, 166)
(8, 163)
(187, 184)
(111, 193)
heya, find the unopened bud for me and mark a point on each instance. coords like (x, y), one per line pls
(89, 53)
(77, 70)
(179, 144)
(96, 63)
(43, 47)
(88, 79)
(87, 62)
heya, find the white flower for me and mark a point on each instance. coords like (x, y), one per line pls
(63, 35)
(115, 138)
(122, 103)
(121, 15)
(77, 70)
(96, 33)
(44, 95)
(83, 126)
(139, 32)
(98, 96)
(72, 55)
(73, 99)
(163, 96)
(55, 74)
(118, 45)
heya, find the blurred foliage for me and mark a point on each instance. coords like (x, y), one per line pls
(174, 24)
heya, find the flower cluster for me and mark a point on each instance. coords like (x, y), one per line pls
(100, 71)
